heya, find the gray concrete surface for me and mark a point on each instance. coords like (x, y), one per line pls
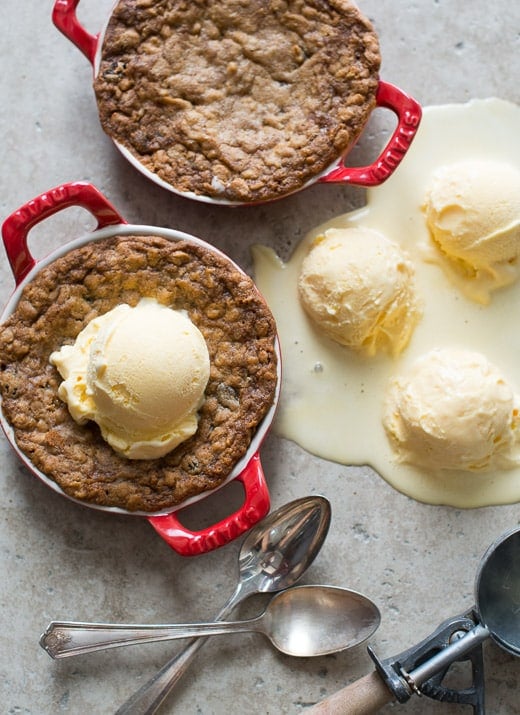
(63, 561)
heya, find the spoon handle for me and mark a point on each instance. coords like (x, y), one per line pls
(149, 697)
(65, 638)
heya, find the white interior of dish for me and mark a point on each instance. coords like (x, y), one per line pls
(126, 230)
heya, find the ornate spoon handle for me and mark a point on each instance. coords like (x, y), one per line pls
(65, 638)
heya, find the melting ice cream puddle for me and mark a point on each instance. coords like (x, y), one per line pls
(332, 398)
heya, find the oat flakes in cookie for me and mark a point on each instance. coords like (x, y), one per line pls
(238, 100)
(92, 279)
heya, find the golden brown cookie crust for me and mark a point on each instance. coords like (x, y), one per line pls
(242, 100)
(90, 280)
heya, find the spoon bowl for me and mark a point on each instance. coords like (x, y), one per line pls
(275, 553)
(303, 621)
(308, 621)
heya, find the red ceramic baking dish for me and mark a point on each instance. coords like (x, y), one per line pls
(248, 471)
(407, 110)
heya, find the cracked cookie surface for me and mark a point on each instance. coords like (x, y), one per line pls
(242, 100)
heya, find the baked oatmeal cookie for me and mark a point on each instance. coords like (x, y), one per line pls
(89, 281)
(242, 100)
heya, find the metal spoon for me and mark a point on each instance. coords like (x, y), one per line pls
(303, 621)
(273, 556)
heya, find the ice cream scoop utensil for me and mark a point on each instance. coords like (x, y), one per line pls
(303, 621)
(422, 668)
(273, 556)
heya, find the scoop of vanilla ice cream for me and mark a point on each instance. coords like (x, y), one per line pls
(472, 211)
(140, 373)
(357, 286)
(453, 410)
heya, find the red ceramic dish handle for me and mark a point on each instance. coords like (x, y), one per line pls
(192, 543)
(16, 227)
(65, 19)
(409, 114)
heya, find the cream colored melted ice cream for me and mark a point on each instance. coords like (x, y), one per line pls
(140, 373)
(332, 398)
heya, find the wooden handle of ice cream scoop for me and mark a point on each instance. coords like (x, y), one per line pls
(17, 226)
(65, 19)
(255, 507)
(408, 112)
(363, 697)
